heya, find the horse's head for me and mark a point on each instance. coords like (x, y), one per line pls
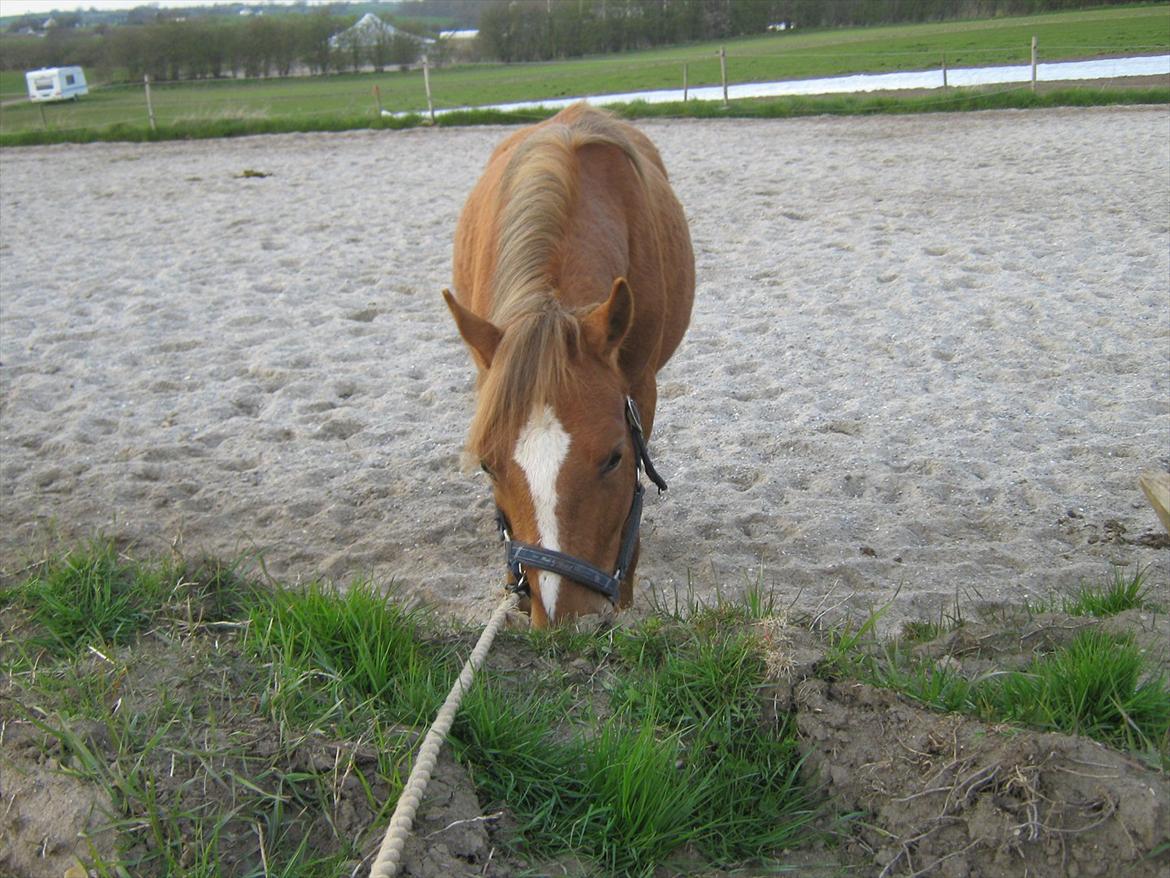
(551, 432)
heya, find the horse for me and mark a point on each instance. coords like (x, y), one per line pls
(574, 280)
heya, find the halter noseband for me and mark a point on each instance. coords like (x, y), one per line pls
(523, 555)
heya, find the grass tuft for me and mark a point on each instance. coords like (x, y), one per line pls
(1098, 686)
(644, 802)
(1123, 593)
(683, 748)
(92, 596)
(329, 647)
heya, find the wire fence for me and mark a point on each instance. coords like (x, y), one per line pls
(353, 100)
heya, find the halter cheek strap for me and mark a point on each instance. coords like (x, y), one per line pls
(634, 419)
(520, 556)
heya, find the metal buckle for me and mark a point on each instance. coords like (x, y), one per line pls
(633, 415)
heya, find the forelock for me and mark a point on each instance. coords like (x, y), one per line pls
(531, 368)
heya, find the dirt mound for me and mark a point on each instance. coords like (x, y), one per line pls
(945, 795)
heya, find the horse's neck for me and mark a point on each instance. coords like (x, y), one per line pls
(595, 248)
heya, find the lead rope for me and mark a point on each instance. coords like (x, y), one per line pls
(387, 862)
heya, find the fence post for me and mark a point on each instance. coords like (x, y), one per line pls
(149, 103)
(427, 85)
(44, 120)
(1033, 63)
(378, 99)
(944, 62)
(684, 83)
(723, 73)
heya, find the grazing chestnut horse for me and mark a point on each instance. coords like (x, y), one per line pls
(574, 278)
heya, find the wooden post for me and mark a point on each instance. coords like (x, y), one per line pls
(944, 59)
(723, 72)
(149, 103)
(378, 99)
(427, 85)
(684, 83)
(1156, 487)
(1033, 63)
(44, 121)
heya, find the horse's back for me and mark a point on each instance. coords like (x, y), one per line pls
(622, 219)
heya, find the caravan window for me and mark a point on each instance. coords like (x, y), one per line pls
(69, 79)
(45, 83)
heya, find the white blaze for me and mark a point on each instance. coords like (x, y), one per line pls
(541, 449)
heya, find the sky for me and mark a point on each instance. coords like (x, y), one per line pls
(20, 7)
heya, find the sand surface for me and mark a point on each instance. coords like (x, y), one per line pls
(929, 356)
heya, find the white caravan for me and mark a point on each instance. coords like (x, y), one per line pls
(56, 84)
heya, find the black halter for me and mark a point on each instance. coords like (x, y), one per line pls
(523, 555)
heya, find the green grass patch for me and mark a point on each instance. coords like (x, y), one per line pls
(240, 729)
(1121, 594)
(1100, 686)
(230, 728)
(93, 596)
(1090, 33)
(684, 747)
(327, 648)
(955, 101)
(330, 103)
(227, 722)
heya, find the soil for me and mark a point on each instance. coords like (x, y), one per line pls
(908, 791)
(45, 814)
(943, 795)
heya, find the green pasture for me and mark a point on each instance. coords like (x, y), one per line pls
(310, 103)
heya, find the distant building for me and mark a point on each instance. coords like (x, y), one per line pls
(369, 30)
(458, 34)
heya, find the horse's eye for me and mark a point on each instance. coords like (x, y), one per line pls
(612, 463)
(487, 469)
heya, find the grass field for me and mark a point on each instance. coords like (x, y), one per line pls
(221, 726)
(346, 101)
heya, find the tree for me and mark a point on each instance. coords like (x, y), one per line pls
(314, 48)
(404, 50)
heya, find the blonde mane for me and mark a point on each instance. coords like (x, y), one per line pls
(541, 336)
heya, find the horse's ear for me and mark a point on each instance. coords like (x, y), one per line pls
(606, 327)
(481, 335)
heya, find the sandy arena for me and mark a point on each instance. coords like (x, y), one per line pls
(929, 357)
